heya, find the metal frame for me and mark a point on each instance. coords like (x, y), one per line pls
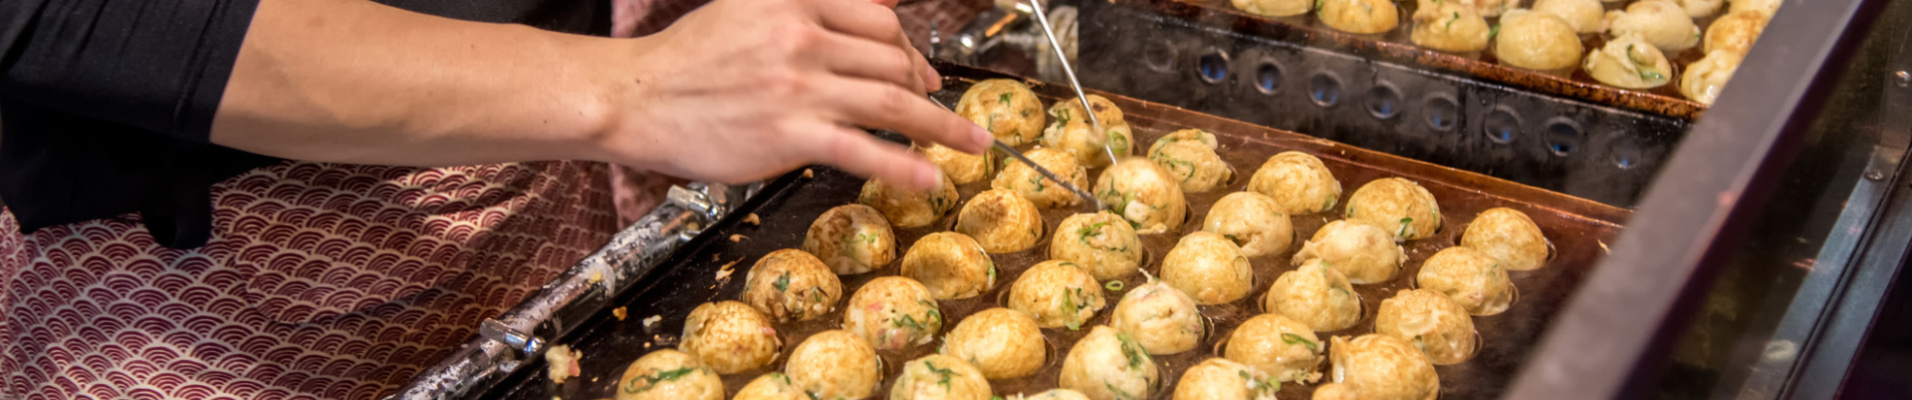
(1611, 340)
(505, 343)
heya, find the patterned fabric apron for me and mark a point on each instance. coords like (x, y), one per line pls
(321, 281)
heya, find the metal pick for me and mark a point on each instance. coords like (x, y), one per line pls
(1042, 18)
(1038, 167)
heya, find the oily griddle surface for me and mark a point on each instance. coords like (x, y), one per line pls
(1576, 227)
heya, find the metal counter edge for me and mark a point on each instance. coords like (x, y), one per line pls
(507, 342)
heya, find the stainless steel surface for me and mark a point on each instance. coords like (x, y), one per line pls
(1614, 339)
(1062, 56)
(1577, 227)
(584, 289)
(1207, 57)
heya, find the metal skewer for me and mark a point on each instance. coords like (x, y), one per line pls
(1042, 18)
(1038, 167)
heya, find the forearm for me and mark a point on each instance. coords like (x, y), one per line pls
(358, 82)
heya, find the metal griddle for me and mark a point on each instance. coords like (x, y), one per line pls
(1579, 230)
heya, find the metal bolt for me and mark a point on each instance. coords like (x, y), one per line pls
(1874, 175)
(1902, 78)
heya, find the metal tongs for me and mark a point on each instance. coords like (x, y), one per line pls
(1095, 123)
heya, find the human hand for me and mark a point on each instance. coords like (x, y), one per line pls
(743, 89)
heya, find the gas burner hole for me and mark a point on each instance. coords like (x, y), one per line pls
(1625, 153)
(1384, 101)
(1159, 55)
(1268, 78)
(1563, 136)
(1501, 126)
(1324, 89)
(1213, 67)
(1442, 113)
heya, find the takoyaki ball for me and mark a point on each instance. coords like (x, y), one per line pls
(1704, 79)
(1001, 221)
(1000, 342)
(851, 239)
(771, 386)
(1221, 379)
(1101, 243)
(1336, 391)
(1585, 16)
(1735, 32)
(729, 337)
(1006, 108)
(1039, 190)
(1110, 365)
(951, 265)
(909, 208)
(961, 168)
(1431, 322)
(790, 284)
(1274, 8)
(940, 377)
(1189, 155)
(1361, 251)
(1700, 8)
(1537, 41)
(893, 313)
(1160, 318)
(835, 364)
(1360, 16)
(1381, 367)
(1057, 294)
(1659, 22)
(1471, 278)
(1143, 193)
(1491, 8)
(1509, 236)
(669, 375)
(1208, 267)
(1451, 27)
(1629, 62)
(1253, 221)
(1315, 295)
(1767, 7)
(1278, 345)
(1057, 394)
(1073, 132)
(1401, 206)
(1297, 181)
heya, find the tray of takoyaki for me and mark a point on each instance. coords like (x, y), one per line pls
(1235, 262)
(1667, 56)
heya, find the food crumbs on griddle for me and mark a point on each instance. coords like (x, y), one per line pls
(651, 321)
(620, 313)
(734, 238)
(561, 363)
(752, 219)
(724, 272)
(807, 174)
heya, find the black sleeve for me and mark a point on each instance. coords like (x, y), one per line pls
(156, 65)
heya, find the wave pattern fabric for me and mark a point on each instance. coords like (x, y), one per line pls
(321, 281)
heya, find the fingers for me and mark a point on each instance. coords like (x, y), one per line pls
(876, 21)
(862, 58)
(859, 153)
(932, 81)
(858, 18)
(874, 104)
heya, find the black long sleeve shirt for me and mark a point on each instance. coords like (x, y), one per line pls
(106, 105)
